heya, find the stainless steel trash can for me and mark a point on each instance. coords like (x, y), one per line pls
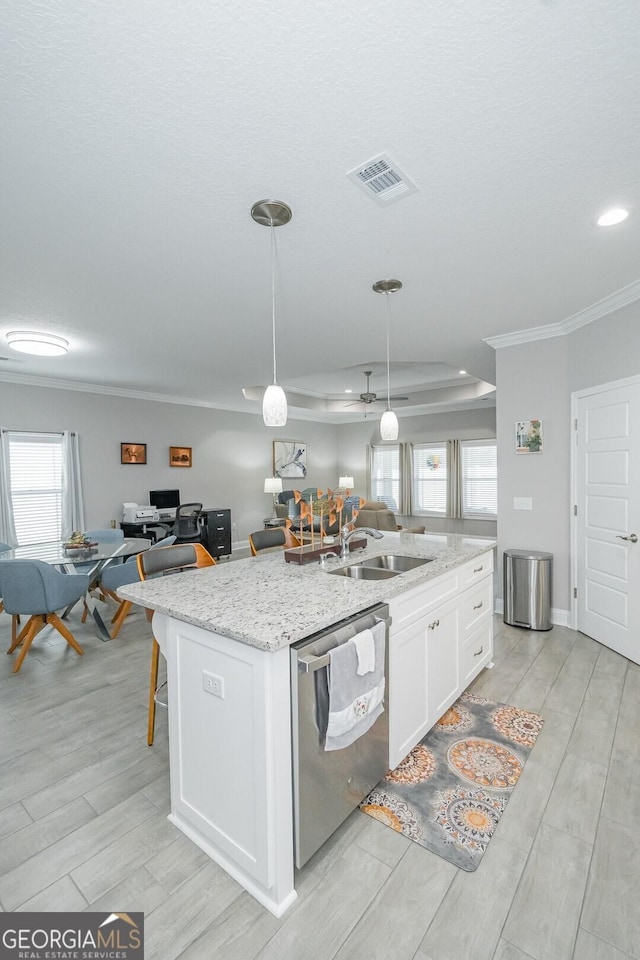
(527, 589)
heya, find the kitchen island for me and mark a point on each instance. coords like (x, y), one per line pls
(226, 631)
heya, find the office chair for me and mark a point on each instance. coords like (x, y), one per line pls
(116, 576)
(187, 527)
(271, 539)
(173, 559)
(35, 588)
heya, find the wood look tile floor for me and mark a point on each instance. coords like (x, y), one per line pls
(84, 803)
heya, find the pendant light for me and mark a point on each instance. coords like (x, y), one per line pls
(273, 213)
(389, 428)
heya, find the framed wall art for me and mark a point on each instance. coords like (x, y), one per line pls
(529, 436)
(180, 456)
(289, 458)
(133, 453)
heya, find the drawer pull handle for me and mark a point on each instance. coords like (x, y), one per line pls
(432, 626)
(478, 605)
(478, 569)
(479, 651)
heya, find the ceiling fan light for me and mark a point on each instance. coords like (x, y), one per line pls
(389, 428)
(274, 406)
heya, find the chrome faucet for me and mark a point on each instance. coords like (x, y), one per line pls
(346, 534)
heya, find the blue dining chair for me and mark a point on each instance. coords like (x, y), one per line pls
(33, 587)
(15, 619)
(114, 577)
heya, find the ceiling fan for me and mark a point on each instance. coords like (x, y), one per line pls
(369, 397)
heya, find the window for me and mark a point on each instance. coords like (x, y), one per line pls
(429, 479)
(386, 475)
(479, 478)
(35, 463)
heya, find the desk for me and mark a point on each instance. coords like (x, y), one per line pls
(99, 557)
(215, 530)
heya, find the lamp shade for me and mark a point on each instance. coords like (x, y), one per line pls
(389, 428)
(274, 406)
(346, 482)
(273, 485)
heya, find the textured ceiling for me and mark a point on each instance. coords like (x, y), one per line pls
(137, 134)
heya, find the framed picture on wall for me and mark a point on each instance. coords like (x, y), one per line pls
(133, 453)
(179, 456)
(289, 458)
(529, 436)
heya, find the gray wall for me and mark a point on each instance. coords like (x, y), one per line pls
(477, 424)
(536, 380)
(232, 452)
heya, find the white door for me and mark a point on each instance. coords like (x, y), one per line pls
(608, 517)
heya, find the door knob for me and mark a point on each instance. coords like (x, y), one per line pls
(631, 537)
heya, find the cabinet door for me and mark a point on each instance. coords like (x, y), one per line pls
(408, 714)
(442, 659)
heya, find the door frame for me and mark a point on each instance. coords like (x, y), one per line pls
(576, 396)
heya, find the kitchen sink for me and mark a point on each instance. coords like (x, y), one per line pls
(397, 564)
(357, 571)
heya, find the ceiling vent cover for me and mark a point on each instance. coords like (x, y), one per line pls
(382, 179)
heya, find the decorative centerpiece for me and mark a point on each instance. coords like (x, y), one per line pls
(78, 541)
(330, 507)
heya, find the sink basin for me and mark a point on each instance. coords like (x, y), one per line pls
(396, 564)
(357, 571)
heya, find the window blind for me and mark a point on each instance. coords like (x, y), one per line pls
(429, 479)
(386, 475)
(35, 463)
(479, 478)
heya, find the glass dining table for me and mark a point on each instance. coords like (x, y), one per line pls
(92, 560)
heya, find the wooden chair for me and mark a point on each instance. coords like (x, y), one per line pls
(117, 575)
(272, 539)
(163, 560)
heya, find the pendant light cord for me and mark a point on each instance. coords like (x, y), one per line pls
(273, 297)
(388, 325)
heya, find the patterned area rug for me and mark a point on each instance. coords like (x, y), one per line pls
(449, 793)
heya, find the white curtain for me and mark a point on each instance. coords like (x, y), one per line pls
(72, 500)
(7, 528)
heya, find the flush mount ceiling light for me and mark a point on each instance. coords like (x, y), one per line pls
(611, 217)
(389, 428)
(38, 344)
(273, 213)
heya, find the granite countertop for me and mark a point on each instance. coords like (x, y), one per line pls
(268, 603)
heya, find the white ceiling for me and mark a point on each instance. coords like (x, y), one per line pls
(137, 134)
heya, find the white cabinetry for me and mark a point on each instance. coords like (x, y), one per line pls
(441, 637)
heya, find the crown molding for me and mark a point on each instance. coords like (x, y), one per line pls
(602, 308)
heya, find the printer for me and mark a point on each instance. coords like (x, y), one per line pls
(134, 513)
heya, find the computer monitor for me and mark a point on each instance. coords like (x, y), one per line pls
(164, 499)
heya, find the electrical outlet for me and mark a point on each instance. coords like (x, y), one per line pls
(523, 503)
(212, 683)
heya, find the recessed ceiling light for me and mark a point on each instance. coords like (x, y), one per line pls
(610, 217)
(462, 373)
(348, 391)
(39, 344)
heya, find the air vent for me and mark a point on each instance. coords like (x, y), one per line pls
(382, 179)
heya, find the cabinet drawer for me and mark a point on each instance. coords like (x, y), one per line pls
(476, 569)
(417, 602)
(476, 653)
(476, 604)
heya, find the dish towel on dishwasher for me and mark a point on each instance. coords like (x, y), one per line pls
(355, 702)
(366, 650)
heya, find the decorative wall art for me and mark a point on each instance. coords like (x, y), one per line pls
(180, 457)
(529, 436)
(289, 458)
(133, 453)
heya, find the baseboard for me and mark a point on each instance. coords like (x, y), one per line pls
(559, 617)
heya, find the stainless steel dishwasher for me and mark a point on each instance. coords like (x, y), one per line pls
(328, 785)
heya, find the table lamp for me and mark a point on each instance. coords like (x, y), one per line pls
(346, 484)
(273, 485)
